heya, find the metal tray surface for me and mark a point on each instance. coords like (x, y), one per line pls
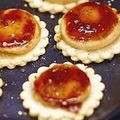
(10, 103)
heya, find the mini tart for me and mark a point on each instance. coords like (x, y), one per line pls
(91, 35)
(54, 6)
(12, 60)
(19, 31)
(37, 105)
(1, 84)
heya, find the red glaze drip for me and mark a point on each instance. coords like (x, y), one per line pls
(61, 85)
(90, 21)
(17, 28)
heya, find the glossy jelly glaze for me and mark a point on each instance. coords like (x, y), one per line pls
(17, 27)
(90, 21)
(61, 85)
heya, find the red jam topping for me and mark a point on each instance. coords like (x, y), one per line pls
(61, 86)
(90, 21)
(17, 27)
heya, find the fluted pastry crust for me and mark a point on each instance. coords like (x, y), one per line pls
(37, 109)
(86, 56)
(44, 6)
(11, 60)
(1, 84)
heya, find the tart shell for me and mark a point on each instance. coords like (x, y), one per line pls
(37, 109)
(12, 60)
(44, 6)
(86, 56)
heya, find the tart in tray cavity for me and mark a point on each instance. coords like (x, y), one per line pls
(1, 84)
(54, 6)
(62, 92)
(23, 37)
(89, 33)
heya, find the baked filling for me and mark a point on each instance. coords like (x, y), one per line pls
(19, 31)
(90, 26)
(61, 1)
(64, 86)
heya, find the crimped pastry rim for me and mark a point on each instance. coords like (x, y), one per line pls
(85, 56)
(44, 6)
(11, 61)
(36, 109)
(1, 85)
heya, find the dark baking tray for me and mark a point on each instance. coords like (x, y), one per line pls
(10, 103)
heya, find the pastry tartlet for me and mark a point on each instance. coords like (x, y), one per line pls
(23, 37)
(89, 32)
(62, 91)
(54, 6)
(1, 84)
